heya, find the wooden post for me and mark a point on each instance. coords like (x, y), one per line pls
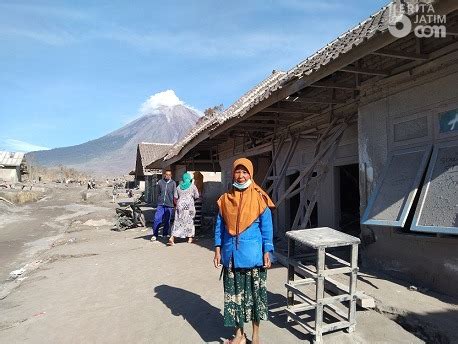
(335, 138)
(352, 289)
(275, 152)
(321, 255)
(285, 165)
(272, 187)
(291, 252)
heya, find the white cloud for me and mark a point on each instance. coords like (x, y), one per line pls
(21, 146)
(165, 98)
(46, 37)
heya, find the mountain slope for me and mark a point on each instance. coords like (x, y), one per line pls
(114, 153)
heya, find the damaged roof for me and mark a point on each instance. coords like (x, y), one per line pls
(376, 24)
(11, 158)
(239, 108)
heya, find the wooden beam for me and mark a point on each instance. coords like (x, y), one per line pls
(264, 117)
(299, 100)
(289, 155)
(259, 119)
(309, 169)
(274, 158)
(258, 128)
(401, 55)
(288, 111)
(355, 70)
(246, 124)
(327, 84)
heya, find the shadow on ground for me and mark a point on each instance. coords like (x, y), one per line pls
(206, 319)
(277, 316)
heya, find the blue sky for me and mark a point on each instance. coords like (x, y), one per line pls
(72, 71)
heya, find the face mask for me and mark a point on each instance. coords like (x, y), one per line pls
(242, 186)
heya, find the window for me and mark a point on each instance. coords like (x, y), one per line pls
(437, 209)
(448, 121)
(392, 199)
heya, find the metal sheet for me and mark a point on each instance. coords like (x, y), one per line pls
(392, 198)
(437, 210)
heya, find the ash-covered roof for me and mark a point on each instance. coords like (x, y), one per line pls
(376, 24)
(10, 158)
(239, 108)
(150, 152)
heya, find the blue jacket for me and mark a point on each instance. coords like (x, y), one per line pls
(253, 242)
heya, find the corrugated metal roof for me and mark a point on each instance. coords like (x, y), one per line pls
(376, 24)
(10, 158)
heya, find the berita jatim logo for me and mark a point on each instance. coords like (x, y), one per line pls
(420, 16)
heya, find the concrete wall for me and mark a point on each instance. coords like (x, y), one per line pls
(10, 174)
(423, 260)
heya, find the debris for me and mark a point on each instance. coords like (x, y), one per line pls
(5, 200)
(413, 288)
(16, 273)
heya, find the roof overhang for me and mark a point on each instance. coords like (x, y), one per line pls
(327, 75)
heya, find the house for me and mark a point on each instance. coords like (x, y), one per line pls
(362, 136)
(12, 166)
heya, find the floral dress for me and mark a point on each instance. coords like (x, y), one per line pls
(183, 227)
(245, 295)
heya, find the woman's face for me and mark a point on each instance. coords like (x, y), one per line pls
(241, 175)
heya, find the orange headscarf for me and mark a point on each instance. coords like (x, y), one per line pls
(240, 208)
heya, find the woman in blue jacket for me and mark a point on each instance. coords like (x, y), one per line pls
(243, 243)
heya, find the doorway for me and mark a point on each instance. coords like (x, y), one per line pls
(349, 217)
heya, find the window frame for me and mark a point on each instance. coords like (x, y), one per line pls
(409, 197)
(415, 227)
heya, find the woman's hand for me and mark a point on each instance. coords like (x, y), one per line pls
(267, 262)
(217, 259)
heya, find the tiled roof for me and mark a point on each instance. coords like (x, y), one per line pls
(11, 159)
(376, 24)
(150, 152)
(239, 108)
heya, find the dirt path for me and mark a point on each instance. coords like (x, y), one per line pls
(28, 229)
(98, 286)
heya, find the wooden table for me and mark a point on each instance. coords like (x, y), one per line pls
(319, 239)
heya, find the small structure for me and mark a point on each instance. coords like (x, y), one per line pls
(12, 166)
(320, 239)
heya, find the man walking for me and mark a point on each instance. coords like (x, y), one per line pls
(166, 189)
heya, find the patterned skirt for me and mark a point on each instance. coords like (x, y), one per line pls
(245, 296)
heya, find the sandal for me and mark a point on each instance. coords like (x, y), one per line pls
(170, 243)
